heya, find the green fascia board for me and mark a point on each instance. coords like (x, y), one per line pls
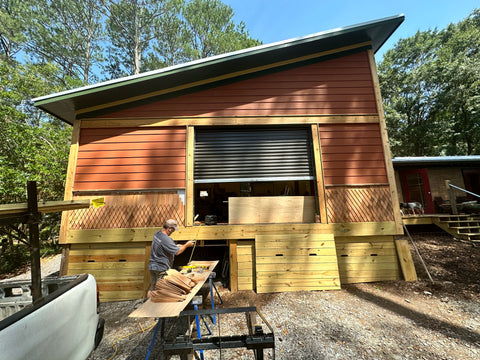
(64, 104)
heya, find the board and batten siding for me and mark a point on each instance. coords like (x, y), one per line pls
(126, 159)
(337, 86)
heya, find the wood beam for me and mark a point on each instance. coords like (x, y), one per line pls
(230, 120)
(72, 165)
(320, 185)
(385, 143)
(230, 232)
(190, 186)
(44, 207)
(233, 265)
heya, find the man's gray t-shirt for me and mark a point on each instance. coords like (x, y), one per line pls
(163, 252)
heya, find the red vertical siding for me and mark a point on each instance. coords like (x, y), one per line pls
(120, 158)
(352, 154)
(338, 86)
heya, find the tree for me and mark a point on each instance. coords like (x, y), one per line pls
(210, 29)
(66, 33)
(409, 95)
(12, 26)
(130, 27)
(459, 71)
(430, 85)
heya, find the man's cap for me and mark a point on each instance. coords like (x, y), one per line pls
(171, 223)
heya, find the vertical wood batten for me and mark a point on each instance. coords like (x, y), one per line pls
(317, 153)
(232, 244)
(72, 163)
(385, 143)
(190, 187)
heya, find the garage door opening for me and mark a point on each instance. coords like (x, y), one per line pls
(249, 162)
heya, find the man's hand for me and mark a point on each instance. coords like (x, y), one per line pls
(190, 243)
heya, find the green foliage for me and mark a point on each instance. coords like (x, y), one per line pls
(48, 46)
(210, 29)
(430, 86)
(13, 257)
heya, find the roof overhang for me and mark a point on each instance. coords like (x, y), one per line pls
(78, 102)
(436, 161)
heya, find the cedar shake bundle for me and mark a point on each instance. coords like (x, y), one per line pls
(173, 288)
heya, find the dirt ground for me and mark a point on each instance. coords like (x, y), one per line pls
(386, 320)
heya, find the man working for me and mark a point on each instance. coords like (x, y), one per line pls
(163, 252)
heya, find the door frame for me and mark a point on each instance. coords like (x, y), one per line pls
(429, 207)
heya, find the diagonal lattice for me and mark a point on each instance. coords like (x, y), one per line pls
(130, 216)
(359, 204)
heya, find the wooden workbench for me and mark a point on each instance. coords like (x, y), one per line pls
(172, 309)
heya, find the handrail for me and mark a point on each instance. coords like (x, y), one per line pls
(468, 192)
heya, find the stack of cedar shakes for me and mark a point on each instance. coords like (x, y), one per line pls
(174, 287)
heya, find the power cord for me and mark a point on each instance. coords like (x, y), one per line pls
(123, 337)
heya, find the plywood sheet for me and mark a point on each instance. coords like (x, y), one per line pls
(294, 262)
(271, 209)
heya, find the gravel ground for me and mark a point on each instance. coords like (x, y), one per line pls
(387, 320)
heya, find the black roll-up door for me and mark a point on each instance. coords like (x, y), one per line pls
(252, 154)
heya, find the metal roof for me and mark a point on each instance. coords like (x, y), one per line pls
(436, 160)
(106, 95)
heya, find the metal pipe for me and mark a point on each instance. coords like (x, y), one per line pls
(466, 191)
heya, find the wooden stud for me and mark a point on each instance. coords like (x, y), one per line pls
(233, 265)
(317, 154)
(190, 186)
(406, 261)
(72, 164)
(386, 146)
(146, 276)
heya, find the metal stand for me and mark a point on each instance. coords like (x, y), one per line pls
(212, 286)
(256, 341)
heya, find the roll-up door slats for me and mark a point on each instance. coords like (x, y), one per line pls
(254, 154)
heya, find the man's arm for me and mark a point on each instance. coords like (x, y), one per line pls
(182, 248)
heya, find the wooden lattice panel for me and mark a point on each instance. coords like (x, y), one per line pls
(359, 204)
(129, 211)
(367, 259)
(119, 268)
(293, 262)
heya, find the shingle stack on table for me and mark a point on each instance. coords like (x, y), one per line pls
(199, 271)
(174, 287)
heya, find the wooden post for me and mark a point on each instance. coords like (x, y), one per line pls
(451, 197)
(34, 237)
(320, 185)
(233, 265)
(386, 147)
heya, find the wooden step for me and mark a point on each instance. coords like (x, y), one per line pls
(476, 222)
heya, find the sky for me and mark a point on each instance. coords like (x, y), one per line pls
(276, 20)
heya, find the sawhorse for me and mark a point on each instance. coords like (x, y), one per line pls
(195, 302)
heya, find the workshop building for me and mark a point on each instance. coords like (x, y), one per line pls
(274, 158)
